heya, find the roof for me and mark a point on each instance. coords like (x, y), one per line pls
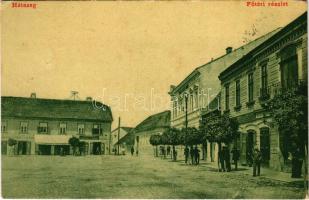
(159, 120)
(300, 21)
(54, 108)
(125, 128)
(128, 138)
(215, 66)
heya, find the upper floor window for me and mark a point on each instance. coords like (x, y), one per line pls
(250, 87)
(264, 76)
(24, 127)
(43, 128)
(96, 129)
(227, 97)
(80, 129)
(191, 102)
(289, 67)
(237, 93)
(62, 128)
(196, 96)
(3, 127)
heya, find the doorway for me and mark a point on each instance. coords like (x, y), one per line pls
(44, 149)
(265, 145)
(96, 148)
(250, 146)
(23, 147)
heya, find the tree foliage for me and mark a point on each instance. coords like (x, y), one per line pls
(290, 110)
(192, 136)
(12, 142)
(74, 142)
(220, 128)
(155, 140)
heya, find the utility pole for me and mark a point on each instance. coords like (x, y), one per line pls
(118, 134)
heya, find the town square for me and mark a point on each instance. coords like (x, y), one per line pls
(133, 177)
(154, 100)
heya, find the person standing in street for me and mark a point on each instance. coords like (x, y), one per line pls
(227, 158)
(186, 153)
(221, 160)
(235, 156)
(257, 158)
(192, 155)
(132, 150)
(196, 155)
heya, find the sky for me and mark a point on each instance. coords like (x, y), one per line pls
(124, 54)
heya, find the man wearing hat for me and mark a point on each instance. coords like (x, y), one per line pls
(257, 158)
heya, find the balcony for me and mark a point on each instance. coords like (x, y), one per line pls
(89, 137)
(277, 89)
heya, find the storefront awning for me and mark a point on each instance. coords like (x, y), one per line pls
(52, 139)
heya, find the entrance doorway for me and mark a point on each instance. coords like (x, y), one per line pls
(44, 149)
(62, 150)
(96, 148)
(250, 146)
(23, 148)
(265, 145)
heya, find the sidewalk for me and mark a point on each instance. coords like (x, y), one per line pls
(265, 172)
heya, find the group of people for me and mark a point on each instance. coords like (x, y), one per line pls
(224, 159)
(193, 153)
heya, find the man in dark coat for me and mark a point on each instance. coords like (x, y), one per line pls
(132, 150)
(257, 158)
(186, 153)
(235, 156)
(196, 155)
(227, 158)
(221, 160)
(192, 155)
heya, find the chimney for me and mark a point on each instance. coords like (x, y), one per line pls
(229, 50)
(33, 95)
(88, 98)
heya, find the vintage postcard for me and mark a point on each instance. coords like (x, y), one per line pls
(154, 99)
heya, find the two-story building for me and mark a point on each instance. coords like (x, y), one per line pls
(279, 62)
(44, 126)
(191, 98)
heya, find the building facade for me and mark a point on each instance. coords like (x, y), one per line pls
(153, 125)
(278, 63)
(123, 131)
(44, 126)
(192, 97)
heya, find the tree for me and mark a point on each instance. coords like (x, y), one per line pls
(155, 141)
(192, 136)
(74, 142)
(289, 109)
(220, 128)
(12, 143)
(172, 137)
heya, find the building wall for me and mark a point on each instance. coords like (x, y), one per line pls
(142, 144)
(253, 118)
(13, 129)
(114, 135)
